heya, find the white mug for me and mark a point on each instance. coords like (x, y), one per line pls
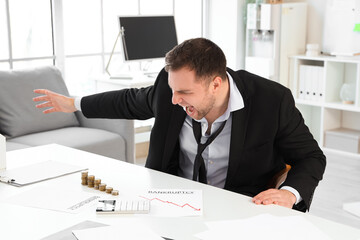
(2, 152)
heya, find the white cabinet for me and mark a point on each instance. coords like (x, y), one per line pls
(328, 112)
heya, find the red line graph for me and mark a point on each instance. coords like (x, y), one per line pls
(186, 204)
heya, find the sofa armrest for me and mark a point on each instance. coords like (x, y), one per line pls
(123, 127)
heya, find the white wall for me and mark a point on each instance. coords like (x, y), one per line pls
(315, 19)
(226, 29)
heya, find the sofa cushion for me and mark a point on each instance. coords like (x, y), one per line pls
(88, 139)
(18, 115)
(10, 146)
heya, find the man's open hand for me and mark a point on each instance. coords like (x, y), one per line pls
(54, 101)
(280, 197)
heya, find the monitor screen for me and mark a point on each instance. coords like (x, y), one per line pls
(147, 37)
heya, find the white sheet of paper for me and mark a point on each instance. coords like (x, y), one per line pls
(56, 199)
(129, 230)
(353, 208)
(264, 226)
(174, 202)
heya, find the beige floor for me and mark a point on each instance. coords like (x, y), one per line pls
(341, 184)
(141, 151)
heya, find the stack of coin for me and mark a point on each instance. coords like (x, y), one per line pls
(109, 190)
(97, 183)
(115, 192)
(91, 181)
(102, 187)
(84, 178)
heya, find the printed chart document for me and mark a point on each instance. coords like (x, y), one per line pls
(263, 226)
(56, 198)
(174, 202)
(127, 229)
(37, 172)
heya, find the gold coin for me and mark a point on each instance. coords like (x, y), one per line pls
(109, 189)
(102, 187)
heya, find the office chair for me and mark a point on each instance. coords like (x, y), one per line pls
(279, 177)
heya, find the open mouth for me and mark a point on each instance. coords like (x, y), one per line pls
(189, 110)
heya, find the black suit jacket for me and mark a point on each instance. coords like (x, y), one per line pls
(267, 133)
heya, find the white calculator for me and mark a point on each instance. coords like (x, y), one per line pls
(122, 206)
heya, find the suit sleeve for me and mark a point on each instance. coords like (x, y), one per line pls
(300, 150)
(129, 103)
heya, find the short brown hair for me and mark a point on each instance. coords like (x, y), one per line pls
(198, 54)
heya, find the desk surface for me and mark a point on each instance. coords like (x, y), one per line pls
(19, 222)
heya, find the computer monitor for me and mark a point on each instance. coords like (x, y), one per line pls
(147, 37)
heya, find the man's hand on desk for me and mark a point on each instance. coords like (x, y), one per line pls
(280, 197)
(56, 102)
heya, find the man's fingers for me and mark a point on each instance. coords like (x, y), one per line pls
(275, 196)
(41, 98)
(41, 91)
(50, 110)
(265, 194)
(44, 105)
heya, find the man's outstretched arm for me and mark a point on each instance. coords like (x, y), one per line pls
(54, 102)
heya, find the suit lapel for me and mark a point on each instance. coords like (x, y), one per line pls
(176, 121)
(240, 121)
(238, 134)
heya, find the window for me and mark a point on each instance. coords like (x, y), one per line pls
(163, 7)
(188, 19)
(30, 34)
(112, 9)
(78, 36)
(4, 44)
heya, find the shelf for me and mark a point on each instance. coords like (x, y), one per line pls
(309, 102)
(328, 113)
(339, 152)
(341, 106)
(355, 59)
(333, 105)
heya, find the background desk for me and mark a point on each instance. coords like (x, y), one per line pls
(18, 222)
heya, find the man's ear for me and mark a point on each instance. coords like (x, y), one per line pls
(216, 83)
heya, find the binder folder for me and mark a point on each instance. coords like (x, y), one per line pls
(37, 172)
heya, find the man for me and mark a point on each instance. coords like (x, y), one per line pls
(251, 124)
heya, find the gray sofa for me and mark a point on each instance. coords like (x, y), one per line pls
(23, 125)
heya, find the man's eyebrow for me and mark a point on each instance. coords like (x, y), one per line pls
(184, 91)
(181, 91)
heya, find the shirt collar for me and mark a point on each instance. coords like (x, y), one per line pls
(235, 103)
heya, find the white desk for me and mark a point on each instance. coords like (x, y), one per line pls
(18, 222)
(104, 83)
